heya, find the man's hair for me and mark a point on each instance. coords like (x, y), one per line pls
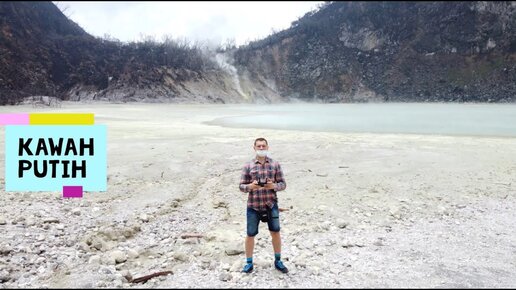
(260, 139)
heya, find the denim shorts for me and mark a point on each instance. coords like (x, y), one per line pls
(253, 220)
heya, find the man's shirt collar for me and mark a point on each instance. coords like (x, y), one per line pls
(255, 160)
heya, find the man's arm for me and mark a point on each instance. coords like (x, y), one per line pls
(245, 179)
(280, 180)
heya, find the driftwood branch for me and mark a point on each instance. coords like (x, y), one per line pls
(191, 235)
(145, 278)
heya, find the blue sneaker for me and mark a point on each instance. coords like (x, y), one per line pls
(279, 265)
(248, 268)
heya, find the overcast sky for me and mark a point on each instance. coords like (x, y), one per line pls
(214, 21)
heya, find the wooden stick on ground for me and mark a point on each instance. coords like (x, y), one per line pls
(191, 235)
(145, 278)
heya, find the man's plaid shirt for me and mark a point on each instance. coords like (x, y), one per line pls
(262, 198)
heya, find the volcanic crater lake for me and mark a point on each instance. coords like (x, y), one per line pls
(494, 120)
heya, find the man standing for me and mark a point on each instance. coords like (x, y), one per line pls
(262, 178)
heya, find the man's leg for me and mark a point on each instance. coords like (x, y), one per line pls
(252, 230)
(276, 241)
(249, 246)
(274, 228)
(276, 244)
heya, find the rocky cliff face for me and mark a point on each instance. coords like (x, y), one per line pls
(344, 52)
(28, 48)
(44, 53)
(385, 51)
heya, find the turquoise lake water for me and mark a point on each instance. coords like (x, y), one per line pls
(498, 120)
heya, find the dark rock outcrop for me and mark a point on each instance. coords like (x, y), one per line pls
(44, 53)
(392, 51)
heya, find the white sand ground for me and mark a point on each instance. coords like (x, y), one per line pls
(367, 210)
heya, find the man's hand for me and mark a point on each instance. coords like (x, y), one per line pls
(269, 184)
(253, 186)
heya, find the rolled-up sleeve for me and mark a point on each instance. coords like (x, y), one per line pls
(280, 180)
(245, 179)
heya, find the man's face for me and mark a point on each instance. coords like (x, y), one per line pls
(261, 145)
